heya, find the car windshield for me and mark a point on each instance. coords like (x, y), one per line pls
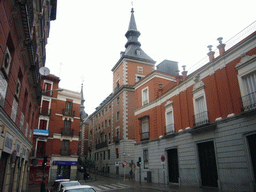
(70, 184)
(81, 190)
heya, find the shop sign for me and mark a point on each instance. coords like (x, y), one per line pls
(65, 162)
(9, 139)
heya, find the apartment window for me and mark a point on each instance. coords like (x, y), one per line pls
(106, 123)
(145, 96)
(145, 128)
(117, 116)
(68, 108)
(106, 110)
(65, 148)
(108, 153)
(109, 108)
(199, 102)
(117, 100)
(67, 126)
(43, 124)
(109, 122)
(247, 81)
(140, 69)
(169, 117)
(104, 155)
(117, 153)
(138, 77)
(14, 110)
(109, 138)
(145, 158)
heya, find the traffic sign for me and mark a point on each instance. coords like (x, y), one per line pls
(163, 158)
(124, 163)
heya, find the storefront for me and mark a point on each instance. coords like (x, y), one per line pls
(37, 171)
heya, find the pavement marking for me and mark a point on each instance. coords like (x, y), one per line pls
(109, 187)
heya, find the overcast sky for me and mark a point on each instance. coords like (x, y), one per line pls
(87, 37)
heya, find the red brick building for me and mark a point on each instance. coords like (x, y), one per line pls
(111, 126)
(57, 133)
(199, 129)
(24, 29)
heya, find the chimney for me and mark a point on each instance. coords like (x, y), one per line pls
(211, 53)
(184, 72)
(221, 46)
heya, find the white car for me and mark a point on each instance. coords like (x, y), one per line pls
(78, 188)
(56, 184)
(67, 184)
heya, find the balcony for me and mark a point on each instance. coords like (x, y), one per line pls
(41, 132)
(67, 132)
(169, 129)
(65, 152)
(144, 136)
(201, 118)
(101, 145)
(116, 139)
(68, 113)
(45, 111)
(249, 101)
(47, 93)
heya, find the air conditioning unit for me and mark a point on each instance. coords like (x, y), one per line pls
(17, 90)
(6, 65)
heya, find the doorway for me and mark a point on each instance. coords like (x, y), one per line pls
(252, 148)
(207, 160)
(173, 167)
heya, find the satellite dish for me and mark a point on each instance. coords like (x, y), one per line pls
(44, 71)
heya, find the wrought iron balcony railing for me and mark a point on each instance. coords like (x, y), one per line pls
(101, 145)
(69, 113)
(45, 111)
(169, 129)
(65, 152)
(116, 139)
(47, 93)
(201, 118)
(144, 136)
(249, 101)
(67, 132)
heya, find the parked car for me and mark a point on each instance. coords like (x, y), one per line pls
(56, 184)
(78, 188)
(67, 184)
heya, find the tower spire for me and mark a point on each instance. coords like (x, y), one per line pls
(132, 34)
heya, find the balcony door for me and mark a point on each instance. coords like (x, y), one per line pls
(67, 125)
(65, 147)
(68, 108)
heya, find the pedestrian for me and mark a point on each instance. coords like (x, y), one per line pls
(131, 174)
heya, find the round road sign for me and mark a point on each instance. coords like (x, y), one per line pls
(124, 163)
(162, 158)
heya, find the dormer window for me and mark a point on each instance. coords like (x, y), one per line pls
(137, 52)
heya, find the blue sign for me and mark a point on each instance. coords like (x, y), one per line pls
(41, 132)
(65, 162)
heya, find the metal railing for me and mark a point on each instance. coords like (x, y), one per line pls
(201, 118)
(116, 139)
(67, 132)
(101, 145)
(169, 129)
(69, 113)
(144, 136)
(65, 152)
(45, 111)
(249, 101)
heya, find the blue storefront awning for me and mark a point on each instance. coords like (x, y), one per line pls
(65, 162)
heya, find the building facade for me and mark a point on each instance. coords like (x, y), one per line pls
(57, 133)
(111, 126)
(200, 129)
(24, 29)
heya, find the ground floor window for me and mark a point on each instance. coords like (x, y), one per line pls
(63, 172)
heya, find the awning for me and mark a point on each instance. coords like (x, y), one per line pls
(65, 162)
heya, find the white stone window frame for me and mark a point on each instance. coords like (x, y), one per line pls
(45, 119)
(117, 116)
(245, 67)
(198, 92)
(169, 108)
(49, 82)
(45, 98)
(140, 69)
(144, 102)
(137, 77)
